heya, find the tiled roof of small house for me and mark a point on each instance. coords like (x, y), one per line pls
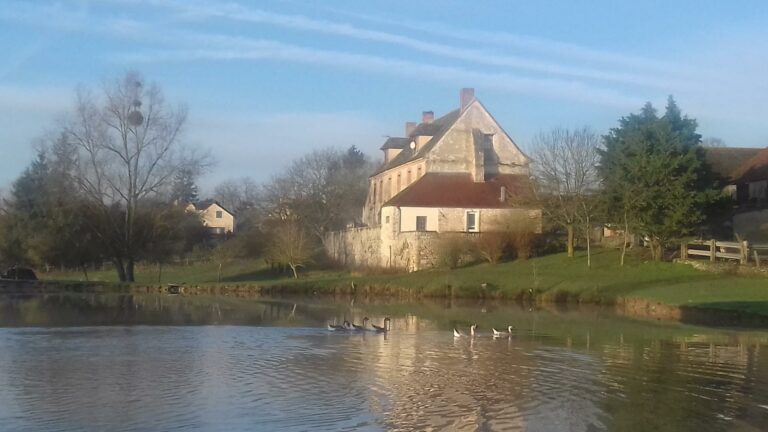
(727, 161)
(458, 190)
(436, 129)
(755, 169)
(204, 204)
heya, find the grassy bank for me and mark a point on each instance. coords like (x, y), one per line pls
(554, 278)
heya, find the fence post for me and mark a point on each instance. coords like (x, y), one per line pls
(757, 258)
(683, 250)
(744, 252)
(712, 250)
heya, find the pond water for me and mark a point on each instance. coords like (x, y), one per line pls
(135, 363)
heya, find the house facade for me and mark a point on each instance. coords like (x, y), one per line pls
(745, 174)
(214, 216)
(459, 173)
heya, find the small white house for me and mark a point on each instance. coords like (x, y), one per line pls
(214, 216)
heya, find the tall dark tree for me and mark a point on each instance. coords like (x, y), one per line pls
(184, 188)
(46, 222)
(655, 179)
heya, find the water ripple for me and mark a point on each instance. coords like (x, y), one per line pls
(272, 378)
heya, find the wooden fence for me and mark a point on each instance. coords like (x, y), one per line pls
(759, 253)
(713, 249)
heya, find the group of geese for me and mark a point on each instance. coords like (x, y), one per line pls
(473, 332)
(348, 326)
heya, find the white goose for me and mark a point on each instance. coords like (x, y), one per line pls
(472, 328)
(497, 333)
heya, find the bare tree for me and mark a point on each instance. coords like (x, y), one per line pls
(128, 149)
(713, 142)
(565, 170)
(324, 189)
(237, 195)
(289, 245)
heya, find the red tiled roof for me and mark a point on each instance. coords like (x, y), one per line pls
(458, 190)
(755, 169)
(727, 162)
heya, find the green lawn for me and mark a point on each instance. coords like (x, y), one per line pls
(255, 271)
(553, 277)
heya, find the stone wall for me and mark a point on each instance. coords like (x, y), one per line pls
(454, 219)
(355, 247)
(752, 226)
(382, 248)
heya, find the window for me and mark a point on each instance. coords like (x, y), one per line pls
(757, 190)
(386, 219)
(421, 223)
(418, 172)
(219, 214)
(398, 182)
(408, 177)
(472, 217)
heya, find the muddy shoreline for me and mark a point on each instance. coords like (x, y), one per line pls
(632, 307)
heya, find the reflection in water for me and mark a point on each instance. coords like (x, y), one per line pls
(113, 364)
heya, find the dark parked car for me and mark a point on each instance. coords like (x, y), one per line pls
(20, 273)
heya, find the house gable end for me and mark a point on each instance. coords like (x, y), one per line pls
(459, 149)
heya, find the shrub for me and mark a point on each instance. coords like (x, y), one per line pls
(491, 245)
(521, 240)
(452, 250)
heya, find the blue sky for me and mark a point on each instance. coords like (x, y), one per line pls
(267, 81)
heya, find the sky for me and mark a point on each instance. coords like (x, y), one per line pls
(266, 82)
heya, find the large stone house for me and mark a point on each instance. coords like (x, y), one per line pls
(459, 173)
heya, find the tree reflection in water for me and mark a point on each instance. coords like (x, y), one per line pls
(155, 362)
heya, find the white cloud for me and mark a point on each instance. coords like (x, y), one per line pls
(235, 12)
(539, 45)
(256, 50)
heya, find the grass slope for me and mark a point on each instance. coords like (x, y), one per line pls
(554, 277)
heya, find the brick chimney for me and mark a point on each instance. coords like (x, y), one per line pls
(467, 96)
(427, 116)
(409, 128)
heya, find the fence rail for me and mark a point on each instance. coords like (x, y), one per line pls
(714, 249)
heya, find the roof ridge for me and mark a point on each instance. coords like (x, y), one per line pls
(443, 124)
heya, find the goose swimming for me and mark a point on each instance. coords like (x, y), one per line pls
(361, 327)
(472, 330)
(456, 333)
(497, 333)
(384, 328)
(342, 327)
